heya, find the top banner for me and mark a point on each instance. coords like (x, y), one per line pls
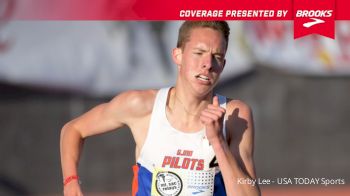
(161, 10)
(321, 13)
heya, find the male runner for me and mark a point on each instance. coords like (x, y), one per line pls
(189, 141)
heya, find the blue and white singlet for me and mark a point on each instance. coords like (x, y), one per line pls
(175, 163)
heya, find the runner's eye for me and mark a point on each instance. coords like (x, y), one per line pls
(219, 59)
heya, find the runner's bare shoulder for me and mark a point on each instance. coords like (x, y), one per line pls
(233, 104)
(134, 103)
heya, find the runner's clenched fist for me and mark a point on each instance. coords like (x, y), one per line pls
(212, 118)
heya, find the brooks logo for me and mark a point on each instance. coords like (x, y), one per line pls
(314, 22)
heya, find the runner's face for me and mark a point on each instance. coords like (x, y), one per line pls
(202, 59)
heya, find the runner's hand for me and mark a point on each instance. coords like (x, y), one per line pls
(212, 118)
(72, 189)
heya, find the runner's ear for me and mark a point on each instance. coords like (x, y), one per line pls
(177, 56)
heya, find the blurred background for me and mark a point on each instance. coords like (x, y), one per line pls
(53, 71)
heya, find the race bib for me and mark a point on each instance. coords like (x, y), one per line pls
(182, 183)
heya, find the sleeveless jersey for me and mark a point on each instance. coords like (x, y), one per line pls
(175, 163)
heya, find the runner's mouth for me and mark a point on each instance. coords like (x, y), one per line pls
(202, 77)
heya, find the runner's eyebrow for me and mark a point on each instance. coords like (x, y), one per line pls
(219, 53)
(200, 49)
(204, 50)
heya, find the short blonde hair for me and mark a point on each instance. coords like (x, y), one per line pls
(187, 26)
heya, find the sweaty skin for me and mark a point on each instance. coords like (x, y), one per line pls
(190, 106)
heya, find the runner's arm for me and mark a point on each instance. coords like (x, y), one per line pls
(235, 156)
(101, 119)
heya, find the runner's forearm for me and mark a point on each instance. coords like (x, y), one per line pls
(70, 146)
(231, 172)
